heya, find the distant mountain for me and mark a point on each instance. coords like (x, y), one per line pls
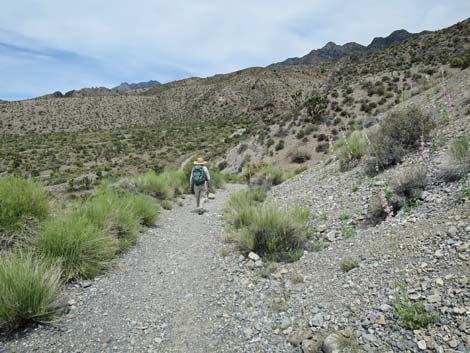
(84, 92)
(333, 52)
(380, 43)
(124, 87)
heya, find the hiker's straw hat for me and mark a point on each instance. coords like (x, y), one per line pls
(200, 161)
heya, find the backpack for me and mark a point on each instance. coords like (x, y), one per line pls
(199, 177)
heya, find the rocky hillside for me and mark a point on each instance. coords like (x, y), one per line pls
(424, 249)
(254, 92)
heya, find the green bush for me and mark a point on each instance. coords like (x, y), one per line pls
(83, 248)
(460, 61)
(163, 186)
(397, 134)
(166, 205)
(29, 286)
(275, 233)
(120, 214)
(217, 180)
(460, 152)
(300, 157)
(268, 175)
(457, 160)
(352, 149)
(21, 199)
(410, 183)
(349, 264)
(240, 206)
(280, 145)
(145, 209)
(413, 315)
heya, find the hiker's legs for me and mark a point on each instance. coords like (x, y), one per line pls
(197, 193)
(200, 192)
(203, 194)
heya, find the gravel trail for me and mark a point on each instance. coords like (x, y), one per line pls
(166, 295)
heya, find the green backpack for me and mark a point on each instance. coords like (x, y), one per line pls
(199, 177)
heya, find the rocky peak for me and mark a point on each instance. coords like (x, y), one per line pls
(380, 43)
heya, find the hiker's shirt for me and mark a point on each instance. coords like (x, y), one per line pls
(206, 173)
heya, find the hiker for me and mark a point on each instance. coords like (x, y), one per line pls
(199, 181)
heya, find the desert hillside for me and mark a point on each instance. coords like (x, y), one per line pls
(336, 217)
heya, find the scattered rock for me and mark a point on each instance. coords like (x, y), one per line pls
(332, 344)
(253, 256)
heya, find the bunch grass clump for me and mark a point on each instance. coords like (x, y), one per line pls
(457, 160)
(352, 149)
(267, 175)
(163, 186)
(20, 200)
(87, 238)
(275, 233)
(80, 245)
(240, 207)
(29, 287)
(120, 214)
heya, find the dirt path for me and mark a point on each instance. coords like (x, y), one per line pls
(167, 295)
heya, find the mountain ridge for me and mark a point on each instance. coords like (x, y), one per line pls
(331, 51)
(124, 86)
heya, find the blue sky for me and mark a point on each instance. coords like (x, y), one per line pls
(50, 45)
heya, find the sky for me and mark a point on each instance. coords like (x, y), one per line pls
(52, 45)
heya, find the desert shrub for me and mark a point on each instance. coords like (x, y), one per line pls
(410, 182)
(300, 134)
(460, 61)
(29, 286)
(234, 178)
(239, 208)
(351, 149)
(112, 212)
(300, 170)
(316, 106)
(166, 205)
(21, 199)
(217, 180)
(120, 214)
(166, 185)
(322, 147)
(348, 264)
(413, 315)
(300, 157)
(222, 165)
(83, 248)
(145, 209)
(275, 233)
(279, 146)
(398, 133)
(457, 160)
(266, 176)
